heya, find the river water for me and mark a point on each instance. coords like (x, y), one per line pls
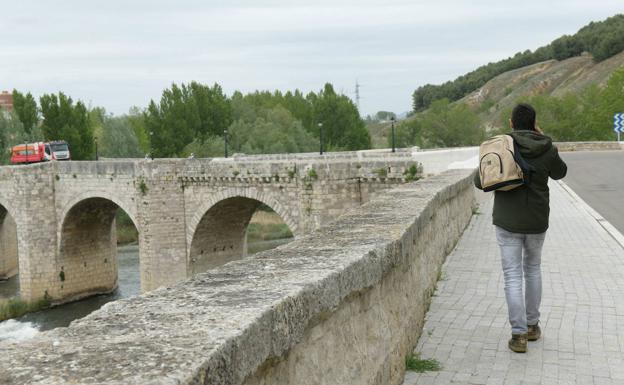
(128, 284)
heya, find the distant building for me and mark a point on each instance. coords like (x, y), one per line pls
(6, 101)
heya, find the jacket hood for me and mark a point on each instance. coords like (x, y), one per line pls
(531, 143)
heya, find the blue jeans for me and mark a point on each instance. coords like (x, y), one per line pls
(521, 253)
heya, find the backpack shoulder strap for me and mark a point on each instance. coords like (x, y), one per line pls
(527, 168)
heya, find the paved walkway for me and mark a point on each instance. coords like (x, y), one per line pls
(582, 321)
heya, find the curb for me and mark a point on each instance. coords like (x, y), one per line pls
(609, 228)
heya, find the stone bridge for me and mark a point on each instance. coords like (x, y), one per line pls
(58, 219)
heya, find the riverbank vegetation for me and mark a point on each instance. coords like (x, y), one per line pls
(15, 307)
(267, 225)
(126, 232)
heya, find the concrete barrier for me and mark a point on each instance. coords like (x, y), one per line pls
(440, 160)
(343, 305)
(589, 146)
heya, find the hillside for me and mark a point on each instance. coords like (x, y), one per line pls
(602, 39)
(498, 96)
(552, 77)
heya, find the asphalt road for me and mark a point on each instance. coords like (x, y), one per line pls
(598, 178)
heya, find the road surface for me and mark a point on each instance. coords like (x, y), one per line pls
(598, 178)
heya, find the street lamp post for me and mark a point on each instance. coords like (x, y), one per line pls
(151, 146)
(96, 150)
(321, 137)
(393, 143)
(225, 138)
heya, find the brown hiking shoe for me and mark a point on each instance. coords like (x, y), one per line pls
(534, 333)
(518, 343)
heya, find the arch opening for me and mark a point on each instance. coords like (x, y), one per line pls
(232, 229)
(9, 260)
(94, 256)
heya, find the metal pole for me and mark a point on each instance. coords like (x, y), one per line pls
(151, 146)
(321, 137)
(393, 143)
(225, 137)
(96, 150)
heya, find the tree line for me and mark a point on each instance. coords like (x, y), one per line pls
(602, 39)
(190, 119)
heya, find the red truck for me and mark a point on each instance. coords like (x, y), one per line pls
(31, 153)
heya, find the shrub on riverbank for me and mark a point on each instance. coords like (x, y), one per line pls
(126, 232)
(15, 307)
(267, 231)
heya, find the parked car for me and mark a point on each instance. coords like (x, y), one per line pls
(31, 153)
(60, 150)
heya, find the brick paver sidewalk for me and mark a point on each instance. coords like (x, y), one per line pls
(582, 320)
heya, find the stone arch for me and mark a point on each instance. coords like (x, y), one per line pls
(217, 232)
(125, 206)
(87, 247)
(9, 251)
(280, 209)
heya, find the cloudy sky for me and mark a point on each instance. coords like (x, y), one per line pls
(117, 54)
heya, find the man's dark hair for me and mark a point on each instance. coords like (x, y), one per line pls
(523, 117)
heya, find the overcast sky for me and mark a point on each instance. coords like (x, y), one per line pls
(117, 54)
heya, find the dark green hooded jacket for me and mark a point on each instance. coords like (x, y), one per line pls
(525, 209)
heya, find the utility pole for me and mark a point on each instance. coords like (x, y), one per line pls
(320, 125)
(225, 137)
(393, 145)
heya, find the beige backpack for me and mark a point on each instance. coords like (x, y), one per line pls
(498, 168)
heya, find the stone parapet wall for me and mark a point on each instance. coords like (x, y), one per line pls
(342, 305)
(589, 146)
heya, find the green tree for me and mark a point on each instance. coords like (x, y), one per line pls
(408, 133)
(214, 109)
(136, 119)
(171, 124)
(186, 113)
(449, 125)
(64, 120)
(384, 115)
(279, 132)
(343, 129)
(12, 133)
(118, 139)
(25, 107)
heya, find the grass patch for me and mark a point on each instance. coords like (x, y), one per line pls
(414, 363)
(143, 187)
(381, 172)
(15, 307)
(267, 231)
(411, 173)
(126, 232)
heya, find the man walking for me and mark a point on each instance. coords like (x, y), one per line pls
(520, 219)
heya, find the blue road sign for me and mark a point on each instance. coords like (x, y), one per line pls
(618, 123)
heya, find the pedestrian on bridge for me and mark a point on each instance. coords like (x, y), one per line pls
(520, 219)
